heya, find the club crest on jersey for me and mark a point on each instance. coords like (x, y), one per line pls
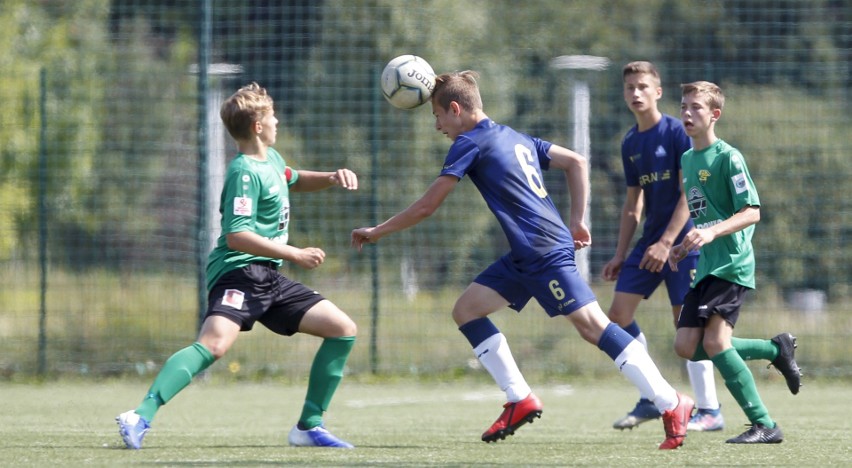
(242, 206)
(703, 175)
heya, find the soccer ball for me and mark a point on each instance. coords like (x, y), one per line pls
(407, 81)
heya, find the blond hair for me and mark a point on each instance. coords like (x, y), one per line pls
(709, 92)
(245, 107)
(460, 87)
(638, 67)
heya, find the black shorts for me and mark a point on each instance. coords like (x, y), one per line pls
(711, 296)
(259, 293)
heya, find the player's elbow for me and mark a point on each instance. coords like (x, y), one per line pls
(424, 211)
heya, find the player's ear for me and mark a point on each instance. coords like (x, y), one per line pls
(455, 107)
(716, 113)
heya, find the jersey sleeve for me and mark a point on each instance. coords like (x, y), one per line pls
(462, 156)
(240, 197)
(631, 172)
(542, 147)
(743, 191)
(682, 144)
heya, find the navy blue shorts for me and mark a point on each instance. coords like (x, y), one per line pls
(712, 296)
(554, 282)
(634, 280)
(259, 293)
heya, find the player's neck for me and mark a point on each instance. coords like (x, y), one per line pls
(252, 149)
(704, 141)
(647, 120)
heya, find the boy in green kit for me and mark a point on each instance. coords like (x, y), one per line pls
(724, 207)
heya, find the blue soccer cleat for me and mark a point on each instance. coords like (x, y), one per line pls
(644, 411)
(316, 437)
(706, 420)
(132, 428)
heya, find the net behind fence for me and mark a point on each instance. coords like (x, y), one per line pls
(114, 154)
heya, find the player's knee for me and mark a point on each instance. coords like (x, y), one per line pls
(684, 350)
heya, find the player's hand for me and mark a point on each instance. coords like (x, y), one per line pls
(697, 238)
(309, 257)
(612, 269)
(676, 254)
(655, 257)
(362, 236)
(345, 178)
(582, 236)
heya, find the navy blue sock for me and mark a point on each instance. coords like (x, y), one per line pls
(477, 331)
(613, 340)
(633, 329)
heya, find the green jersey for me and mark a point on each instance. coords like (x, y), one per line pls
(717, 185)
(255, 198)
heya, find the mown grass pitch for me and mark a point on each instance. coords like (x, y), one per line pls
(402, 423)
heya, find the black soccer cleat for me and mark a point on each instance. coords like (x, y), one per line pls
(759, 434)
(786, 361)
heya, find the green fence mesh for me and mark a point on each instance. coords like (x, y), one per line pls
(113, 154)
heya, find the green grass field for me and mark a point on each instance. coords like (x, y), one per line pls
(402, 423)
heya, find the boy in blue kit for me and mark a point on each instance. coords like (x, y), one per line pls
(724, 205)
(650, 154)
(506, 167)
(244, 284)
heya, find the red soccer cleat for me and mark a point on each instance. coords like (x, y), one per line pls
(675, 422)
(514, 416)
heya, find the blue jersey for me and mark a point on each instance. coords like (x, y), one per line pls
(651, 161)
(506, 166)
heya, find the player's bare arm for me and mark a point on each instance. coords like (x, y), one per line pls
(631, 213)
(415, 213)
(311, 181)
(657, 253)
(255, 244)
(576, 170)
(697, 238)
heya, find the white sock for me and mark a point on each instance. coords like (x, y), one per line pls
(641, 338)
(703, 384)
(496, 358)
(636, 364)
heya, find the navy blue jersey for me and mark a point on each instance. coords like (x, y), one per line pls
(652, 161)
(506, 166)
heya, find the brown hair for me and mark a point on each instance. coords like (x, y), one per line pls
(635, 68)
(711, 93)
(245, 107)
(460, 87)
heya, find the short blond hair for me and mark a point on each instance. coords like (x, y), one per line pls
(245, 107)
(639, 67)
(460, 87)
(709, 92)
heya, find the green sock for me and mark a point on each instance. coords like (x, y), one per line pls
(175, 375)
(740, 383)
(748, 349)
(752, 349)
(326, 373)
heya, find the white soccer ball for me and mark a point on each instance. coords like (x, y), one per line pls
(407, 81)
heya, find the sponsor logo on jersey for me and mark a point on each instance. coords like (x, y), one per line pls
(661, 152)
(708, 224)
(646, 179)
